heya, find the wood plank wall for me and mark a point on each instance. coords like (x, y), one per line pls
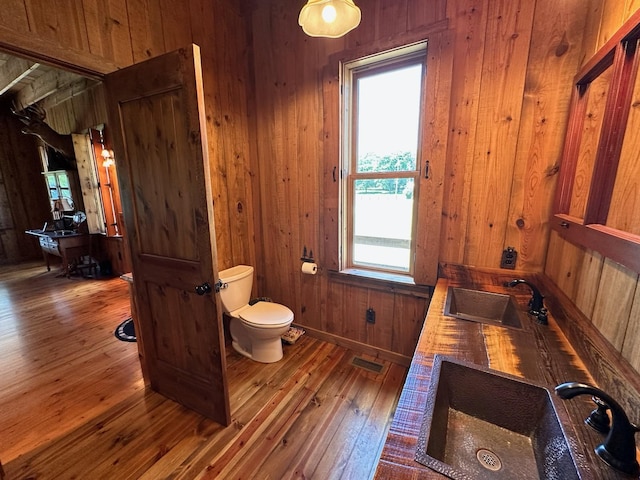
(100, 36)
(22, 206)
(511, 84)
(513, 65)
(605, 292)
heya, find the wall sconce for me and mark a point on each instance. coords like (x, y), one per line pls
(107, 155)
(329, 18)
(107, 158)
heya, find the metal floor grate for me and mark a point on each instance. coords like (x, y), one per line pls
(367, 364)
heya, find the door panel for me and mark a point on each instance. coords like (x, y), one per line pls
(157, 115)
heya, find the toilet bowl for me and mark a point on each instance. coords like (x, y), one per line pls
(255, 329)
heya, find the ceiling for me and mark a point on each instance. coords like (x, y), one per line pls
(24, 82)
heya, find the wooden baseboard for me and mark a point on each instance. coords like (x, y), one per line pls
(358, 346)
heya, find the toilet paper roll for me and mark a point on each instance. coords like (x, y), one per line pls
(309, 268)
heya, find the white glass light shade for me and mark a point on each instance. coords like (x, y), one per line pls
(329, 18)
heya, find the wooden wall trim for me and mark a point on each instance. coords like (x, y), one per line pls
(621, 247)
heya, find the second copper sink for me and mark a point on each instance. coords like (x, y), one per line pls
(484, 307)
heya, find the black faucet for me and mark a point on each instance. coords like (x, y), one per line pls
(536, 304)
(619, 448)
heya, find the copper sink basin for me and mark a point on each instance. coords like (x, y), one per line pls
(484, 307)
(482, 424)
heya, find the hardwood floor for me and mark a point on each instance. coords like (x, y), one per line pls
(73, 404)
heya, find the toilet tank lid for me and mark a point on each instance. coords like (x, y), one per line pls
(235, 273)
(267, 313)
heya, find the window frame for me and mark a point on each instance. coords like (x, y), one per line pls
(351, 72)
(435, 135)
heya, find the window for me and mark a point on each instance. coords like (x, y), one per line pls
(381, 118)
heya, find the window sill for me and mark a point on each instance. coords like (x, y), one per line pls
(392, 282)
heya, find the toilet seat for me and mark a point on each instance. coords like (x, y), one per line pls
(266, 315)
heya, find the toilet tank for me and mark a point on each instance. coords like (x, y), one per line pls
(239, 280)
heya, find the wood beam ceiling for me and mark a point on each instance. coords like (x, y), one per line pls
(27, 82)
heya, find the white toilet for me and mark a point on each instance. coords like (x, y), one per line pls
(255, 329)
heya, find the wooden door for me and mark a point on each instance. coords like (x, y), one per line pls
(156, 114)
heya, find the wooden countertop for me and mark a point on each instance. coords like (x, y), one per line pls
(539, 353)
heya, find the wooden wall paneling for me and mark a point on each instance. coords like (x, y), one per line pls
(553, 59)
(563, 264)
(469, 20)
(109, 30)
(202, 17)
(225, 75)
(631, 6)
(8, 243)
(25, 203)
(570, 267)
(508, 35)
(587, 291)
(614, 301)
(83, 114)
(391, 16)
(42, 19)
(380, 333)
(592, 29)
(147, 39)
(613, 16)
(13, 14)
(279, 180)
(631, 343)
(59, 22)
(425, 13)
(366, 33)
(311, 165)
(625, 200)
(596, 99)
(433, 142)
(231, 84)
(409, 313)
(332, 317)
(176, 23)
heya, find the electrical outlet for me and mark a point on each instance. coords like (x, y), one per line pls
(371, 315)
(509, 257)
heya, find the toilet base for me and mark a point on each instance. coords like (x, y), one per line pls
(269, 351)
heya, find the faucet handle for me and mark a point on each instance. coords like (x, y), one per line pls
(541, 316)
(598, 419)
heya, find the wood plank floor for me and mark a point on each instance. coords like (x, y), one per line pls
(73, 404)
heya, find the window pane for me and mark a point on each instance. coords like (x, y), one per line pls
(388, 108)
(382, 223)
(63, 180)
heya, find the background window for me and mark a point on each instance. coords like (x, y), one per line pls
(381, 117)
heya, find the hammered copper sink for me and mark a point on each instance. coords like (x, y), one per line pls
(484, 307)
(482, 424)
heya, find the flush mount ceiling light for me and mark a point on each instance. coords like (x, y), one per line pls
(329, 18)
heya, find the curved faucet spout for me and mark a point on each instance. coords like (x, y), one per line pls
(536, 303)
(619, 448)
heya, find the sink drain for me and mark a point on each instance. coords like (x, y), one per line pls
(489, 460)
